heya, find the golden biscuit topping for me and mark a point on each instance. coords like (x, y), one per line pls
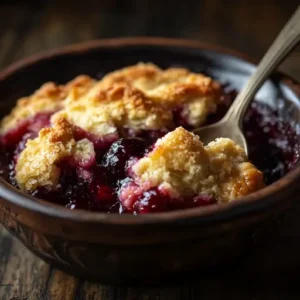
(141, 97)
(181, 165)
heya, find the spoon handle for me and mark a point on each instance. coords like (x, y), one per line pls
(281, 47)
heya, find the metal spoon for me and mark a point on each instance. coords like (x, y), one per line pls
(231, 125)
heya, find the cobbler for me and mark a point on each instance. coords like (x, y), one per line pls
(124, 144)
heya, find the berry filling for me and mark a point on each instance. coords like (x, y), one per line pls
(101, 179)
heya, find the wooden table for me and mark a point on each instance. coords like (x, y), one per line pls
(273, 271)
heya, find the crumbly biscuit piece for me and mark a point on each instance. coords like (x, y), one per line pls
(37, 165)
(180, 164)
(235, 176)
(196, 94)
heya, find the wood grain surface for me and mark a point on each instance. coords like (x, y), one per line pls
(272, 272)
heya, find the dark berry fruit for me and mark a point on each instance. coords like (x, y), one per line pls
(30, 125)
(118, 154)
(151, 201)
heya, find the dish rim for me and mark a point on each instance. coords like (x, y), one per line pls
(256, 201)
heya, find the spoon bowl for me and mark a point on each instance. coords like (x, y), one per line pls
(222, 129)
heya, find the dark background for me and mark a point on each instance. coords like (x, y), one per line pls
(27, 27)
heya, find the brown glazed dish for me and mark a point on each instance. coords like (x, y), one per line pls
(153, 247)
